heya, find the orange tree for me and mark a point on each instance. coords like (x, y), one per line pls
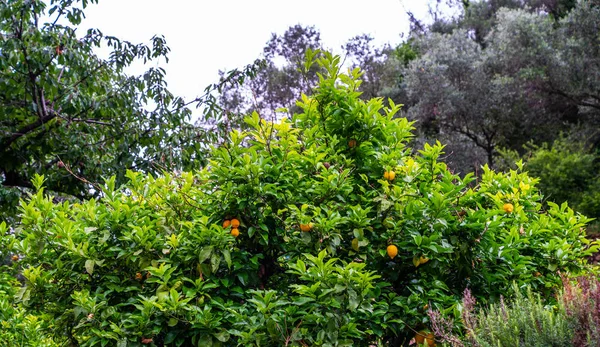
(344, 237)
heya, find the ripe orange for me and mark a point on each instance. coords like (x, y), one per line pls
(508, 208)
(389, 175)
(430, 340)
(235, 223)
(392, 251)
(226, 223)
(235, 232)
(352, 143)
(138, 276)
(15, 257)
(306, 227)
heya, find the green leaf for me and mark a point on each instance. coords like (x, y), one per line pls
(89, 266)
(222, 336)
(227, 256)
(204, 254)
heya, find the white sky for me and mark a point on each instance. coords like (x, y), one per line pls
(206, 36)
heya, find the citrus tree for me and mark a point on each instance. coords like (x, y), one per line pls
(325, 229)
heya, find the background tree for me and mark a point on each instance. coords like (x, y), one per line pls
(523, 82)
(75, 117)
(277, 85)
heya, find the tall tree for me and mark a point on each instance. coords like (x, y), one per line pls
(531, 78)
(75, 117)
(278, 84)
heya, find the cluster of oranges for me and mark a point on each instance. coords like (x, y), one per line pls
(234, 224)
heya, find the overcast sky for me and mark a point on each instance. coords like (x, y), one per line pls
(208, 36)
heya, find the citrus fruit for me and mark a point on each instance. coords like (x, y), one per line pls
(430, 340)
(235, 223)
(306, 227)
(235, 232)
(226, 223)
(508, 208)
(389, 175)
(15, 257)
(352, 143)
(392, 251)
(420, 337)
(423, 260)
(355, 244)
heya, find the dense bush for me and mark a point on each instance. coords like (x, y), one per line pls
(17, 326)
(322, 230)
(567, 171)
(525, 322)
(572, 318)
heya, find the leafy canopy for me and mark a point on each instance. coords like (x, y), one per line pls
(150, 261)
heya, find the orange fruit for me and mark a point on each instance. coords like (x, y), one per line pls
(235, 223)
(226, 223)
(420, 337)
(389, 175)
(138, 276)
(235, 232)
(430, 340)
(423, 260)
(508, 208)
(306, 227)
(352, 143)
(15, 257)
(392, 251)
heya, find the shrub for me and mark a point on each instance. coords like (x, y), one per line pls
(570, 319)
(153, 261)
(526, 322)
(568, 172)
(17, 326)
(581, 302)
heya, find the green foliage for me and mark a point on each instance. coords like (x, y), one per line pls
(149, 261)
(75, 117)
(17, 326)
(526, 322)
(505, 74)
(568, 171)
